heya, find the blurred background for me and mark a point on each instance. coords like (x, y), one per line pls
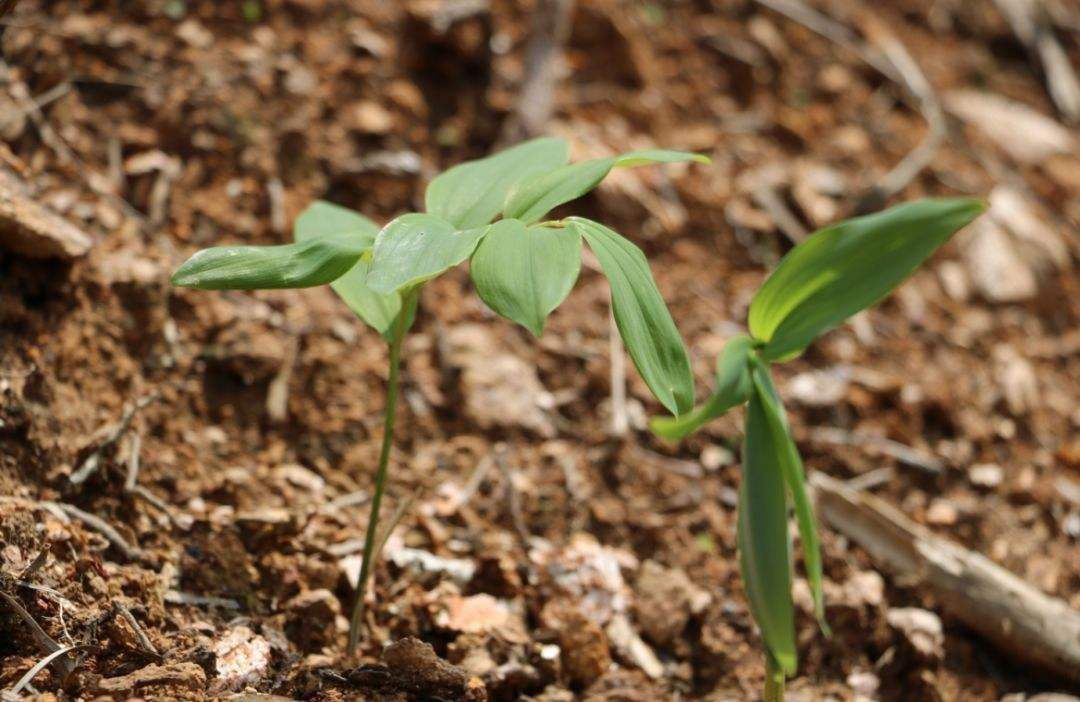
(184, 476)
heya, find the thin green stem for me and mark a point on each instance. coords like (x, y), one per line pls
(774, 681)
(401, 326)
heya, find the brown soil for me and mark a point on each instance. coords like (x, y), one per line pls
(527, 537)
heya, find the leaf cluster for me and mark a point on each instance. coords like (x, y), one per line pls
(830, 276)
(489, 211)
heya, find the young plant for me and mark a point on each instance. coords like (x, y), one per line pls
(830, 276)
(523, 267)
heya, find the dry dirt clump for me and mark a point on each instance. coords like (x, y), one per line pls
(184, 477)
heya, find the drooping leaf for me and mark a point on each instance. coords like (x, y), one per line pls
(764, 546)
(376, 309)
(791, 467)
(643, 319)
(534, 197)
(471, 194)
(416, 247)
(303, 264)
(732, 389)
(524, 273)
(325, 218)
(847, 267)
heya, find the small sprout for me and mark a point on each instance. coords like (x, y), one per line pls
(833, 274)
(523, 269)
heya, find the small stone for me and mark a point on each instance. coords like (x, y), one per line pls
(988, 475)
(666, 599)
(242, 657)
(864, 683)
(584, 645)
(714, 457)
(30, 229)
(369, 117)
(941, 512)
(921, 629)
(310, 619)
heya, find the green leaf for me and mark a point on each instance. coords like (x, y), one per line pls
(321, 218)
(472, 193)
(732, 389)
(764, 546)
(324, 218)
(524, 273)
(847, 267)
(534, 197)
(643, 319)
(414, 248)
(303, 264)
(786, 456)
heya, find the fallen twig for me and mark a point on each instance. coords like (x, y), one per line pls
(892, 449)
(1017, 617)
(132, 553)
(92, 462)
(1031, 25)
(893, 61)
(551, 27)
(144, 640)
(187, 598)
(13, 693)
(44, 641)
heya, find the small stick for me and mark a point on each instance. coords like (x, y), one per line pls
(550, 30)
(13, 693)
(1017, 617)
(144, 640)
(892, 449)
(132, 553)
(91, 463)
(187, 598)
(43, 640)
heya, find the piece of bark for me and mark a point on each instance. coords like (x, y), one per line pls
(33, 230)
(1019, 619)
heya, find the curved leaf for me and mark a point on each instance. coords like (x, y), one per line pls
(786, 455)
(416, 247)
(534, 197)
(732, 389)
(847, 267)
(324, 218)
(472, 193)
(643, 319)
(303, 264)
(764, 546)
(524, 273)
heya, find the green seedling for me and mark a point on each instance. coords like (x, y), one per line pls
(523, 267)
(830, 276)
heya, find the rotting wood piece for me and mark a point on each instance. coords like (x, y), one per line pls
(1018, 618)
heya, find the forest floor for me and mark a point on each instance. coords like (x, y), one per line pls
(223, 444)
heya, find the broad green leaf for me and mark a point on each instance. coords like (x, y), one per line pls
(321, 218)
(764, 546)
(534, 197)
(786, 455)
(643, 319)
(732, 389)
(416, 247)
(325, 218)
(376, 309)
(524, 273)
(847, 267)
(471, 194)
(303, 264)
